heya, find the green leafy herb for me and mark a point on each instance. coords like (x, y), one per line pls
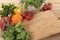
(35, 3)
(8, 34)
(7, 9)
(16, 32)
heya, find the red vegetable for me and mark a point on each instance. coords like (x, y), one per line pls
(47, 6)
(30, 13)
(5, 28)
(28, 17)
(44, 8)
(24, 15)
(3, 23)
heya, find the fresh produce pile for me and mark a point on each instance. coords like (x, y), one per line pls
(13, 16)
(11, 23)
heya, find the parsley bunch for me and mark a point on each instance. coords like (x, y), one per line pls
(35, 3)
(7, 9)
(16, 32)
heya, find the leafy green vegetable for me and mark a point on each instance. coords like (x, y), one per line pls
(7, 9)
(35, 3)
(8, 34)
(21, 35)
(16, 32)
(27, 36)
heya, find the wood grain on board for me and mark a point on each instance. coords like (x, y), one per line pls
(53, 1)
(56, 7)
(42, 25)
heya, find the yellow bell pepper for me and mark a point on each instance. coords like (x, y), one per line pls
(16, 11)
(22, 8)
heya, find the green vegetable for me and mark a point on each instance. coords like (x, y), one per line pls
(7, 9)
(21, 35)
(27, 36)
(16, 32)
(35, 3)
(8, 34)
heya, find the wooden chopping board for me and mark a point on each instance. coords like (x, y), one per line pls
(42, 25)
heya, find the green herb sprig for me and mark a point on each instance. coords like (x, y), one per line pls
(16, 32)
(7, 9)
(35, 3)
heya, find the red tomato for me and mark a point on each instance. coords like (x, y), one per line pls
(47, 6)
(28, 17)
